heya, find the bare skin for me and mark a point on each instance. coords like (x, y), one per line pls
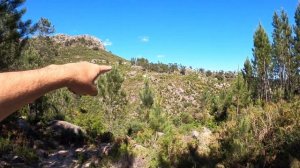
(20, 88)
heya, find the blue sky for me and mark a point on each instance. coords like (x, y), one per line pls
(210, 34)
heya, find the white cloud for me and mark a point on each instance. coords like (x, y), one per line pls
(107, 42)
(144, 39)
(160, 56)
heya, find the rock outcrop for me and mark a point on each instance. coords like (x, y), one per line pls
(67, 132)
(79, 40)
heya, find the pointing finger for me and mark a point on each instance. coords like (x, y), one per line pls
(104, 68)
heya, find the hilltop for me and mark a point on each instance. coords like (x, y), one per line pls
(79, 40)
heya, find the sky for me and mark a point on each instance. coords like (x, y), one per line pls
(210, 34)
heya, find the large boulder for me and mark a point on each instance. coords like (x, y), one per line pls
(66, 132)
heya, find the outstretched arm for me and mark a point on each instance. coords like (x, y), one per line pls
(20, 88)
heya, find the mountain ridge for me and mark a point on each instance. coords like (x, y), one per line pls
(85, 40)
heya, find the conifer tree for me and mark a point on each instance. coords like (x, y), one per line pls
(262, 62)
(282, 53)
(277, 58)
(240, 93)
(146, 95)
(247, 72)
(297, 46)
(287, 53)
(13, 31)
(44, 27)
(112, 96)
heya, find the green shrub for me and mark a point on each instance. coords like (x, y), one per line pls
(157, 119)
(135, 127)
(5, 146)
(145, 137)
(259, 134)
(22, 150)
(146, 95)
(92, 122)
(28, 154)
(113, 97)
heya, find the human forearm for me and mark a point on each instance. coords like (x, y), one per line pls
(21, 88)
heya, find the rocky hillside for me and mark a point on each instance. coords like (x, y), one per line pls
(195, 116)
(64, 137)
(79, 40)
(83, 48)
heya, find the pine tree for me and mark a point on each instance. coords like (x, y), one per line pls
(287, 53)
(282, 54)
(43, 45)
(146, 95)
(112, 95)
(13, 32)
(277, 58)
(297, 46)
(241, 96)
(44, 27)
(248, 73)
(262, 62)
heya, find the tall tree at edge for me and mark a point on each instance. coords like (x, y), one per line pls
(13, 32)
(282, 53)
(297, 46)
(261, 62)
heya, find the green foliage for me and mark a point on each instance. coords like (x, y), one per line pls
(38, 108)
(182, 70)
(252, 131)
(135, 127)
(157, 119)
(44, 27)
(236, 97)
(12, 29)
(262, 62)
(5, 146)
(39, 51)
(220, 104)
(112, 95)
(44, 109)
(241, 97)
(241, 146)
(276, 67)
(146, 95)
(156, 67)
(282, 53)
(248, 74)
(296, 47)
(186, 118)
(31, 58)
(92, 122)
(208, 73)
(27, 153)
(258, 134)
(177, 151)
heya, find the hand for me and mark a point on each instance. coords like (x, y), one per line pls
(83, 77)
